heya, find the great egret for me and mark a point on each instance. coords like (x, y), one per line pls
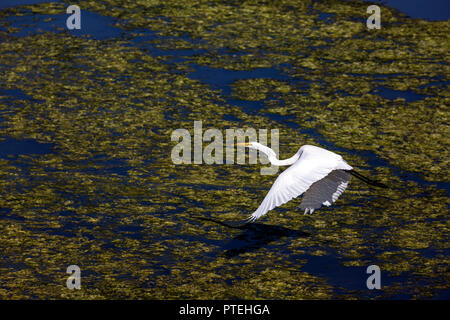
(320, 174)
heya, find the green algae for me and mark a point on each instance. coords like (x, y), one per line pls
(109, 199)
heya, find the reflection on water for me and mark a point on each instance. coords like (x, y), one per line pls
(13, 147)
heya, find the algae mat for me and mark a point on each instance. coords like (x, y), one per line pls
(87, 179)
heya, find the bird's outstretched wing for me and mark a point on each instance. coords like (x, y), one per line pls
(312, 166)
(325, 191)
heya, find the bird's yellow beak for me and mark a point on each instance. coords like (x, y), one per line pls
(245, 144)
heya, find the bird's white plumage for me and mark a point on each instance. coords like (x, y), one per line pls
(317, 171)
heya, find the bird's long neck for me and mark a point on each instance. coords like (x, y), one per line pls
(271, 155)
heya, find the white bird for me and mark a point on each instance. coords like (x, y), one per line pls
(319, 174)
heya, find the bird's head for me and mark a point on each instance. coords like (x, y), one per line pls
(258, 146)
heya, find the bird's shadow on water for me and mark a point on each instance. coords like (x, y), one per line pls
(254, 236)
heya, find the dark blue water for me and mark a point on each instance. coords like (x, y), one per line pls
(345, 279)
(144, 39)
(10, 147)
(222, 78)
(391, 94)
(14, 94)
